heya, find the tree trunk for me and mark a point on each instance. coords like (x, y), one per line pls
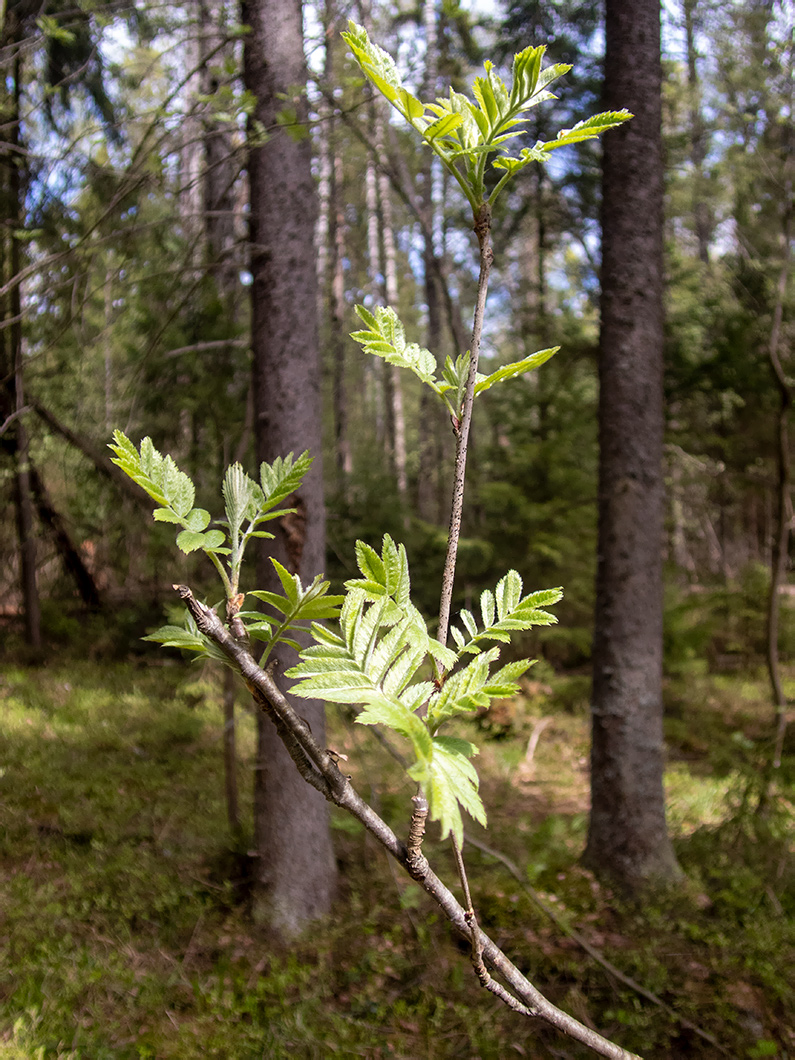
(698, 137)
(11, 364)
(72, 561)
(783, 514)
(220, 170)
(295, 874)
(627, 837)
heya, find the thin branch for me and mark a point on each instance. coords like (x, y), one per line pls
(320, 770)
(210, 344)
(592, 951)
(96, 455)
(13, 416)
(483, 232)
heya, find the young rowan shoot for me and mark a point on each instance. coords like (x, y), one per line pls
(371, 650)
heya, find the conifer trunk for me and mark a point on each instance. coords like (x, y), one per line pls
(295, 871)
(627, 837)
(12, 398)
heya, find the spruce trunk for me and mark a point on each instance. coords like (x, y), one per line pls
(295, 868)
(627, 837)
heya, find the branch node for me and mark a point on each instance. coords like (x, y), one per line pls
(417, 862)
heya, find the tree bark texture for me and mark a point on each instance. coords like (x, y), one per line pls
(295, 875)
(627, 838)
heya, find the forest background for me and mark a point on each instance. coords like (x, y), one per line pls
(125, 275)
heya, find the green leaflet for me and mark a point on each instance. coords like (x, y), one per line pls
(381, 709)
(188, 541)
(450, 783)
(375, 661)
(384, 575)
(503, 611)
(169, 488)
(464, 132)
(297, 607)
(382, 644)
(188, 638)
(385, 337)
(247, 506)
(283, 477)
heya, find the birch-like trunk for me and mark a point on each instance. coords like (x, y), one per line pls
(394, 388)
(698, 137)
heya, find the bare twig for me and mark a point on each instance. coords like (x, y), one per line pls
(592, 951)
(13, 416)
(527, 765)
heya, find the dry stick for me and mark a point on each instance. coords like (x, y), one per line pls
(320, 770)
(592, 951)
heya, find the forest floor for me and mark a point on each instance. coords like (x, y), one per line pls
(124, 926)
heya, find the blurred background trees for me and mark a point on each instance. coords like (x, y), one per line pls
(126, 267)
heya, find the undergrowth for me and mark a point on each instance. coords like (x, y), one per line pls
(124, 930)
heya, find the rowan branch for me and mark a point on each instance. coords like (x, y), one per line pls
(319, 769)
(483, 232)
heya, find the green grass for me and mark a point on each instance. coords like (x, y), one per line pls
(124, 928)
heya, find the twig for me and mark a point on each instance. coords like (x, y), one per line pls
(526, 766)
(320, 770)
(592, 951)
(461, 428)
(13, 416)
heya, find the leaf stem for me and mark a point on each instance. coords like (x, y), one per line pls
(229, 588)
(461, 428)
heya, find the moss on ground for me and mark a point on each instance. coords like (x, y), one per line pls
(124, 929)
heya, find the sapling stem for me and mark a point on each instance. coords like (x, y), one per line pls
(319, 769)
(461, 428)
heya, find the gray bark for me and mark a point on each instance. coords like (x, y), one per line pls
(394, 388)
(627, 837)
(296, 873)
(429, 484)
